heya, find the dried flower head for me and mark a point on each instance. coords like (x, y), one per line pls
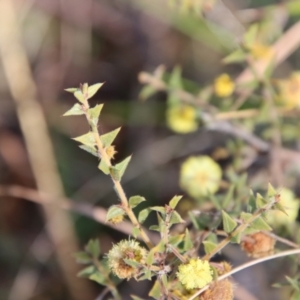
(258, 244)
(117, 219)
(200, 176)
(277, 218)
(195, 274)
(126, 249)
(182, 118)
(224, 86)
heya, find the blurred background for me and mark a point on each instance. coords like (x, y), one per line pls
(49, 45)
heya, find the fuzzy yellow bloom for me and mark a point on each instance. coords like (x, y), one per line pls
(200, 176)
(195, 274)
(277, 218)
(182, 118)
(126, 249)
(289, 91)
(224, 86)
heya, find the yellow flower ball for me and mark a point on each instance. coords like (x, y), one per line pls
(261, 51)
(224, 86)
(195, 274)
(182, 119)
(200, 176)
(289, 91)
(277, 218)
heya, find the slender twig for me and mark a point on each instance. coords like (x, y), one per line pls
(247, 265)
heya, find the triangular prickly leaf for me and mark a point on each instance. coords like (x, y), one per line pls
(155, 228)
(147, 275)
(294, 283)
(271, 191)
(260, 224)
(146, 92)
(114, 211)
(188, 243)
(176, 218)
(237, 238)
(115, 173)
(251, 35)
(260, 201)
(237, 56)
(209, 247)
(175, 240)
(89, 149)
(83, 257)
(280, 207)
(160, 209)
(93, 89)
(160, 247)
(121, 167)
(93, 247)
(164, 280)
(99, 278)
(155, 292)
(104, 167)
(135, 201)
(79, 96)
(86, 139)
(174, 201)
(229, 196)
(251, 205)
(136, 231)
(87, 272)
(71, 90)
(144, 214)
(74, 111)
(150, 257)
(109, 137)
(175, 83)
(228, 223)
(94, 113)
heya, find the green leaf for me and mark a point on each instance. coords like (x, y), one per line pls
(79, 96)
(104, 167)
(135, 201)
(150, 257)
(74, 111)
(188, 243)
(176, 218)
(114, 211)
(294, 283)
(271, 191)
(93, 89)
(175, 240)
(228, 223)
(160, 209)
(93, 247)
(89, 149)
(236, 239)
(280, 207)
(175, 83)
(87, 272)
(71, 90)
(235, 57)
(209, 247)
(109, 137)
(260, 201)
(251, 35)
(121, 167)
(155, 292)
(164, 280)
(174, 201)
(229, 196)
(115, 173)
(86, 139)
(147, 275)
(155, 228)
(144, 214)
(99, 278)
(82, 257)
(135, 232)
(146, 92)
(94, 113)
(260, 224)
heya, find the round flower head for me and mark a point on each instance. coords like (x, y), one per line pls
(182, 118)
(277, 218)
(200, 176)
(223, 85)
(126, 249)
(195, 274)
